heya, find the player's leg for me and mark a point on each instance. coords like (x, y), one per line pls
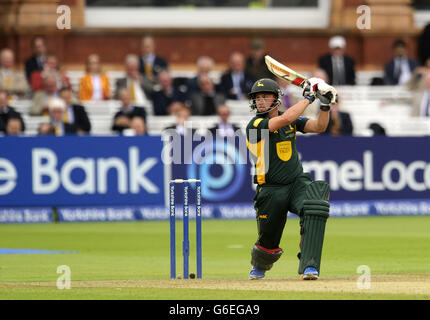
(270, 205)
(310, 200)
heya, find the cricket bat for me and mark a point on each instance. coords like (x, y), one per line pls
(283, 72)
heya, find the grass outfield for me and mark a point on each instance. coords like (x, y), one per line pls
(131, 261)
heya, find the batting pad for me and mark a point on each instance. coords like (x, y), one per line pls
(315, 214)
(264, 259)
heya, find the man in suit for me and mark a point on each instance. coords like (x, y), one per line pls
(236, 82)
(205, 65)
(421, 99)
(224, 128)
(75, 114)
(165, 94)
(182, 114)
(399, 70)
(58, 127)
(255, 63)
(340, 123)
(340, 68)
(151, 64)
(11, 80)
(122, 118)
(41, 98)
(37, 60)
(7, 112)
(206, 101)
(140, 86)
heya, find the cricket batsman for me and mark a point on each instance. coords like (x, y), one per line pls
(282, 185)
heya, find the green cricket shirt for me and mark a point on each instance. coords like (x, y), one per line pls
(275, 155)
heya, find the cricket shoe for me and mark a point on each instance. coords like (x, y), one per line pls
(310, 273)
(256, 273)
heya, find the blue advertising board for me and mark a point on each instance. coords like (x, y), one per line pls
(126, 178)
(80, 171)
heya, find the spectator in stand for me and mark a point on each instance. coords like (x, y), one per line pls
(128, 110)
(14, 126)
(50, 67)
(205, 65)
(236, 82)
(151, 64)
(75, 114)
(165, 94)
(94, 86)
(56, 126)
(139, 86)
(37, 61)
(11, 80)
(424, 45)
(340, 123)
(137, 127)
(255, 63)
(206, 101)
(340, 68)
(41, 98)
(182, 114)
(421, 99)
(224, 128)
(399, 70)
(417, 79)
(7, 112)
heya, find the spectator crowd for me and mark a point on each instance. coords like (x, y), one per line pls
(148, 81)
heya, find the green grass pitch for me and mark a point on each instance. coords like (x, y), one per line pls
(130, 260)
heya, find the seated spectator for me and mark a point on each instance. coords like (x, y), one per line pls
(11, 80)
(340, 68)
(421, 99)
(41, 98)
(75, 114)
(224, 128)
(7, 112)
(182, 114)
(340, 123)
(236, 82)
(14, 126)
(50, 67)
(205, 65)
(150, 64)
(417, 79)
(399, 70)
(37, 60)
(165, 94)
(423, 46)
(137, 127)
(376, 129)
(94, 86)
(139, 86)
(255, 63)
(56, 126)
(206, 101)
(128, 110)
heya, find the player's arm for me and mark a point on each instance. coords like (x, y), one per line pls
(294, 112)
(289, 116)
(318, 125)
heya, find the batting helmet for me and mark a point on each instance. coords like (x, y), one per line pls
(265, 85)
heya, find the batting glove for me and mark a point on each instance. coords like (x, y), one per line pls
(309, 92)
